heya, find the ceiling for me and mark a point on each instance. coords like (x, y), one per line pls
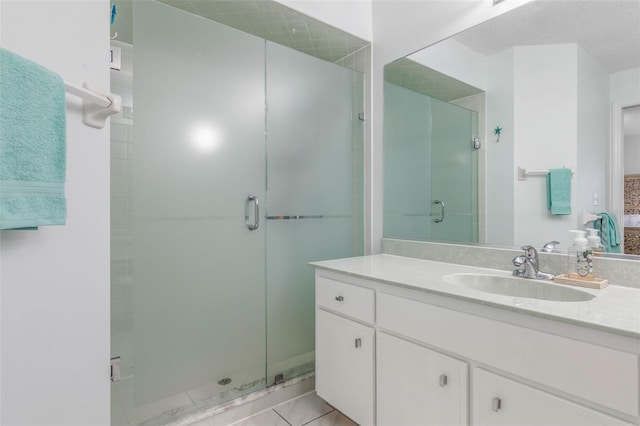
(608, 30)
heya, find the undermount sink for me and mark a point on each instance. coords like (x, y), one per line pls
(518, 287)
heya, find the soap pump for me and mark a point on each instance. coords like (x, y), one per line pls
(578, 265)
(594, 240)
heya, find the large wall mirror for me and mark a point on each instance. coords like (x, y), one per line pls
(472, 125)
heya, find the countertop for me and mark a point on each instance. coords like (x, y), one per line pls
(615, 309)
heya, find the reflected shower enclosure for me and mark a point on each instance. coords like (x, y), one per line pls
(248, 165)
(430, 168)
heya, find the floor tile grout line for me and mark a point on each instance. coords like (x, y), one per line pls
(313, 420)
(282, 417)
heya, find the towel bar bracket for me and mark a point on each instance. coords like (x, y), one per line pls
(96, 106)
(95, 115)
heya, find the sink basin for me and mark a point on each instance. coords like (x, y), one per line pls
(518, 287)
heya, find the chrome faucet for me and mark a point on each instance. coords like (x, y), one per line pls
(530, 265)
(550, 246)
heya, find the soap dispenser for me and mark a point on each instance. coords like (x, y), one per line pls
(594, 240)
(576, 263)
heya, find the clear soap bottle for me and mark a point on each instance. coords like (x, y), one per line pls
(576, 254)
(594, 241)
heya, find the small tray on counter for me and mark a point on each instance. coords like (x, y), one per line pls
(597, 283)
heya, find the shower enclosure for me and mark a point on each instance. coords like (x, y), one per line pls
(248, 164)
(430, 168)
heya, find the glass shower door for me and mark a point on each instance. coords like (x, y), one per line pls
(314, 194)
(199, 298)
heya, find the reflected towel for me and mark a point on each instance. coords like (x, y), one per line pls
(32, 144)
(559, 191)
(609, 233)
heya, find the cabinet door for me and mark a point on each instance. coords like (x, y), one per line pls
(419, 387)
(345, 366)
(498, 401)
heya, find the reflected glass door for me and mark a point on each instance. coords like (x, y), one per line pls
(453, 173)
(199, 299)
(407, 163)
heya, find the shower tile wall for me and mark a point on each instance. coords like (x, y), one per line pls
(121, 209)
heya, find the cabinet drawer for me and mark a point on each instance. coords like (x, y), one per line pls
(347, 299)
(498, 401)
(595, 373)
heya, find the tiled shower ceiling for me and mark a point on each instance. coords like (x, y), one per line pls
(277, 23)
(414, 76)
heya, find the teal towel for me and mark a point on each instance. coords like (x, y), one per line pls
(559, 191)
(32, 144)
(609, 233)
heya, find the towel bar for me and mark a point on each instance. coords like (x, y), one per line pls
(96, 107)
(524, 173)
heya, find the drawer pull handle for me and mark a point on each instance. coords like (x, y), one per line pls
(358, 343)
(443, 380)
(496, 404)
(339, 298)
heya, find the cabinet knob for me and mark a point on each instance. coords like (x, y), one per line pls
(339, 298)
(496, 404)
(443, 380)
(358, 343)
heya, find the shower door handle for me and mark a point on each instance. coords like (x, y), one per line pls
(441, 218)
(256, 221)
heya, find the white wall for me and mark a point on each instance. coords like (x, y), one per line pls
(552, 105)
(401, 27)
(594, 113)
(499, 170)
(632, 155)
(55, 281)
(625, 85)
(545, 123)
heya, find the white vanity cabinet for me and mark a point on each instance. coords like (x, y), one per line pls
(418, 386)
(433, 359)
(345, 347)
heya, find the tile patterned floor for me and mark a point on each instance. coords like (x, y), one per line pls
(306, 410)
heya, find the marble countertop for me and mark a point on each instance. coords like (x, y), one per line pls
(615, 309)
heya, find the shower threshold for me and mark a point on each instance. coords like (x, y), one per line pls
(240, 398)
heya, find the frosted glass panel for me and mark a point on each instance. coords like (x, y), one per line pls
(452, 171)
(309, 136)
(203, 93)
(314, 184)
(198, 271)
(407, 163)
(291, 245)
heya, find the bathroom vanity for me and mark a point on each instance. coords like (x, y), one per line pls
(403, 341)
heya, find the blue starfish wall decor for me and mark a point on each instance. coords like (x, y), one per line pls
(497, 133)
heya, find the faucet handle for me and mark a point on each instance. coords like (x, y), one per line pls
(550, 246)
(530, 252)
